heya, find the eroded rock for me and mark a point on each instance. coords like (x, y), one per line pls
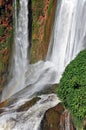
(57, 118)
(28, 104)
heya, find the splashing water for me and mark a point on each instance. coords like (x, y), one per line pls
(20, 57)
(67, 40)
(29, 119)
(69, 33)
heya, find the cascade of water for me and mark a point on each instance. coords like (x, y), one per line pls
(68, 38)
(69, 33)
(21, 44)
(29, 119)
(19, 64)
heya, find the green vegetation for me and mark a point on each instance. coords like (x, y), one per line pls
(6, 40)
(72, 89)
(2, 29)
(50, 6)
(37, 11)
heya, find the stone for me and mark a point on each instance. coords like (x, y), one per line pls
(57, 118)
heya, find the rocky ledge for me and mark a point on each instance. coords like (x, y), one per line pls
(57, 118)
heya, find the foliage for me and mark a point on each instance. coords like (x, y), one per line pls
(72, 87)
(50, 6)
(2, 29)
(6, 39)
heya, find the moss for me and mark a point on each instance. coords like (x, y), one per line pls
(37, 10)
(1, 66)
(49, 21)
(42, 17)
(6, 39)
(72, 88)
(50, 6)
(2, 29)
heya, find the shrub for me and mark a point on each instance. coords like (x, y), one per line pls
(72, 87)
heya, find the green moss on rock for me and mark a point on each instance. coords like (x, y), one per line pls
(72, 88)
(6, 39)
(42, 15)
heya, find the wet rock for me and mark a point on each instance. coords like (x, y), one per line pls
(51, 118)
(48, 90)
(66, 121)
(43, 16)
(57, 118)
(3, 104)
(28, 104)
(1, 110)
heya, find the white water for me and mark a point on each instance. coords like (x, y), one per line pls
(20, 56)
(30, 119)
(68, 38)
(69, 33)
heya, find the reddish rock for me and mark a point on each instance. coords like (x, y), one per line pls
(43, 16)
(66, 122)
(1, 2)
(57, 118)
(6, 19)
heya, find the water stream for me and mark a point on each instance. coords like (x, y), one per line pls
(69, 33)
(20, 52)
(67, 40)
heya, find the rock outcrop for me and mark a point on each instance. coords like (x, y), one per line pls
(40, 25)
(57, 118)
(42, 19)
(6, 38)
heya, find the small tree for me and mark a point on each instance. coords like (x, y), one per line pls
(72, 89)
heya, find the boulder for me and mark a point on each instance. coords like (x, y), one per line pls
(57, 118)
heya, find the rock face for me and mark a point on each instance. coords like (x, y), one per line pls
(57, 118)
(40, 25)
(42, 19)
(6, 38)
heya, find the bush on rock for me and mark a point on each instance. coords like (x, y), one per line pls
(72, 87)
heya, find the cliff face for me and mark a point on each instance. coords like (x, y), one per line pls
(57, 118)
(6, 38)
(42, 16)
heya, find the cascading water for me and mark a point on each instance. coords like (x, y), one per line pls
(68, 38)
(21, 44)
(20, 59)
(29, 119)
(69, 33)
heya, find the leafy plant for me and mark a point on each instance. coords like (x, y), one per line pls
(72, 88)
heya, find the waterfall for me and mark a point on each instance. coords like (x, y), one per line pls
(21, 44)
(20, 56)
(67, 40)
(29, 119)
(69, 33)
